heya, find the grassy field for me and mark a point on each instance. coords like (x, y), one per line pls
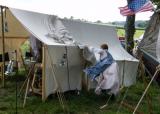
(138, 33)
(84, 103)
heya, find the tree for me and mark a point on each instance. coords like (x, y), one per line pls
(129, 32)
(142, 24)
(71, 17)
(130, 28)
(98, 21)
(156, 2)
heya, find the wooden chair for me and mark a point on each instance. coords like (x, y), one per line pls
(37, 81)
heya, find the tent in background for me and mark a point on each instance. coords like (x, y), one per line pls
(150, 44)
(15, 34)
(151, 39)
(63, 61)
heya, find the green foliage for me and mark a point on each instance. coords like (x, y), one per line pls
(25, 47)
(142, 24)
(98, 21)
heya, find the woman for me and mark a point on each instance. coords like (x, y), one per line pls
(105, 72)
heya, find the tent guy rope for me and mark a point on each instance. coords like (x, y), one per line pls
(155, 74)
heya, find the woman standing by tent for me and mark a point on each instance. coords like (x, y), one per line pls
(105, 72)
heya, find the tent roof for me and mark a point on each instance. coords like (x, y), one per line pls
(40, 25)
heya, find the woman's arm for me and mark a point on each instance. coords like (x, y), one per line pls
(97, 50)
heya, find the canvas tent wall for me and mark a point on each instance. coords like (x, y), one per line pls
(56, 77)
(48, 28)
(150, 45)
(151, 39)
(95, 35)
(15, 35)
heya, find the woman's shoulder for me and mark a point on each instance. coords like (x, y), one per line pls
(105, 51)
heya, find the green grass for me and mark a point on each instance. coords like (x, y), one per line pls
(85, 103)
(138, 33)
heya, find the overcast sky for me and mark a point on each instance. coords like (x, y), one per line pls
(91, 10)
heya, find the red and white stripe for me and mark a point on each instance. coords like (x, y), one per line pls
(147, 7)
(125, 11)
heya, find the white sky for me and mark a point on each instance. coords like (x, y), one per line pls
(91, 10)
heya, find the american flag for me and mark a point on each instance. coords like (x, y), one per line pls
(136, 6)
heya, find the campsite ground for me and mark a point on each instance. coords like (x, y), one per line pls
(84, 103)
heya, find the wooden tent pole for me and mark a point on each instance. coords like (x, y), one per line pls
(43, 71)
(26, 92)
(3, 47)
(144, 93)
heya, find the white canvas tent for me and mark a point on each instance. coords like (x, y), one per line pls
(95, 35)
(50, 30)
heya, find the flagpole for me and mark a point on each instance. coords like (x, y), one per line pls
(3, 47)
